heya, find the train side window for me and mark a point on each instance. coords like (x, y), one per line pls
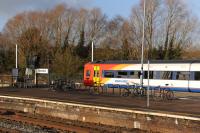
(122, 74)
(166, 75)
(156, 75)
(134, 74)
(192, 77)
(174, 75)
(109, 74)
(197, 76)
(88, 73)
(131, 73)
(182, 75)
(150, 74)
(146, 74)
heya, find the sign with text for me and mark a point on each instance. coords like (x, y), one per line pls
(14, 72)
(28, 71)
(42, 70)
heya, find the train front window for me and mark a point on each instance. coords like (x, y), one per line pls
(96, 74)
(88, 73)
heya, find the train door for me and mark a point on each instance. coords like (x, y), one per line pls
(96, 78)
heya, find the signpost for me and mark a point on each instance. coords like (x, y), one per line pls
(14, 72)
(42, 70)
(28, 71)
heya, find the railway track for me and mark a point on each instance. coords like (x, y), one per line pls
(14, 122)
(6, 130)
(77, 104)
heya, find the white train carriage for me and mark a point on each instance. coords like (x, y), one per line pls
(176, 75)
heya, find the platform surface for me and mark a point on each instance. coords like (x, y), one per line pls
(185, 103)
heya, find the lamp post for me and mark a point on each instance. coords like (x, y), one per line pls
(16, 57)
(92, 58)
(15, 72)
(148, 87)
(49, 82)
(142, 54)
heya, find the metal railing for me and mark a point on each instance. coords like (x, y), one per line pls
(135, 90)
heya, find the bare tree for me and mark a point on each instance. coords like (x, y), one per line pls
(178, 27)
(169, 30)
(168, 27)
(151, 18)
(96, 25)
(69, 19)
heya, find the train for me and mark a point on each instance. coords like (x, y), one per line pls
(177, 75)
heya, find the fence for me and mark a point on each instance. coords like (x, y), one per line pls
(19, 82)
(6, 80)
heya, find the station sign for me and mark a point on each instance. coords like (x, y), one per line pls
(42, 70)
(28, 71)
(15, 72)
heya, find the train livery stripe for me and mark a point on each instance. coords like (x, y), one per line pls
(182, 89)
(172, 85)
(120, 67)
(115, 67)
(104, 80)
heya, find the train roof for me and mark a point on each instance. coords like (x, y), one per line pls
(139, 62)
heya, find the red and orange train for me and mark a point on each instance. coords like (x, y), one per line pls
(176, 75)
